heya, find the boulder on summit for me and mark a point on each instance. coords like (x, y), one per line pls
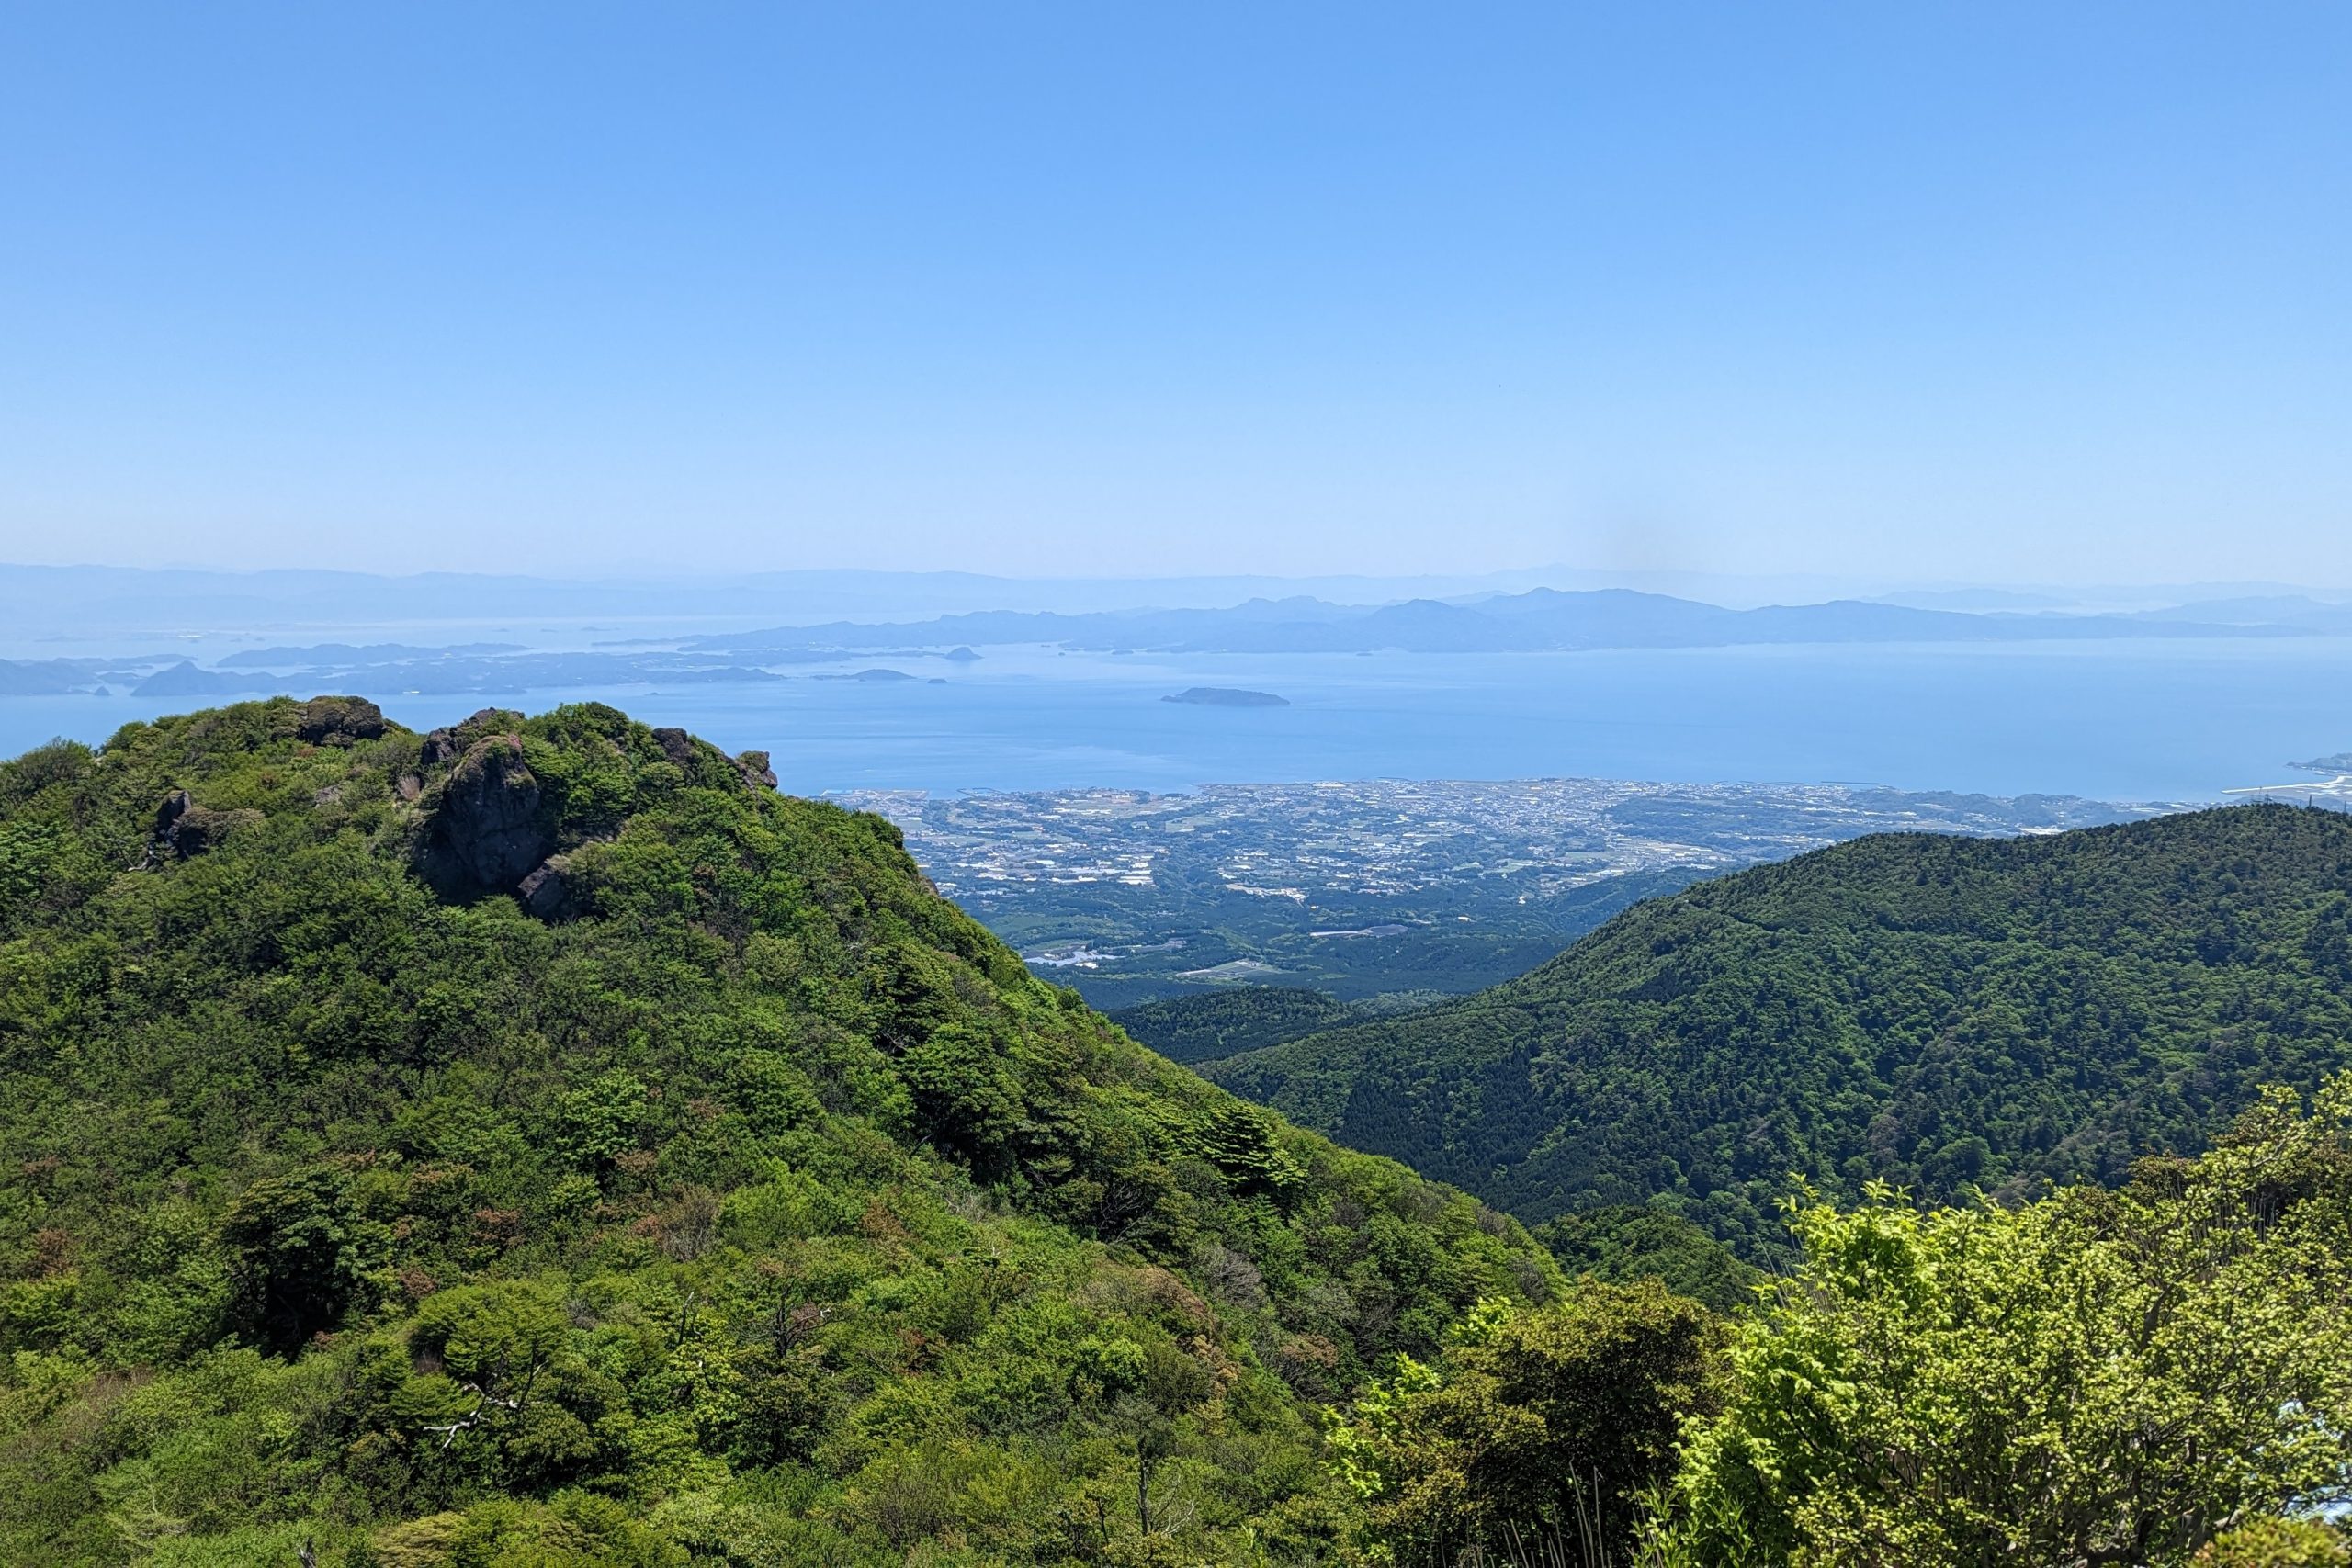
(488, 829)
(339, 721)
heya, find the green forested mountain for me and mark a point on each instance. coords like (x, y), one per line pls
(540, 1142)
(1938, 1012)
(1202, 1027)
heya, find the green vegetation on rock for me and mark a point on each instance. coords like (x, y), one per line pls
(1942, 1013)
(541, 1142)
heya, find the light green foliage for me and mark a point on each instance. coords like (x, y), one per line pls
(2277, 1543)
(1626, 1242)
(753, 1206)
(598, 1121)
(1538, 1428)
(2099, 1376)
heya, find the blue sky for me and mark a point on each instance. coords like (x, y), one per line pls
(1979, 291)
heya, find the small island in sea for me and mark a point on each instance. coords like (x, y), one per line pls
(1227, 697)
(2339, 764)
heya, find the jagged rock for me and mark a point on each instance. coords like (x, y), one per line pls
(199, 829)
(168, 812)
(676, 745)
(339, 721)
(547, 891)
(753, 766)
(488, 830)
(448, 743)
(185, 828)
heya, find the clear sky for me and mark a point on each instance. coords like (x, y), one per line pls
(1971, 291)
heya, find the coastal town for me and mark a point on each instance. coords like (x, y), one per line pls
(1129, 893)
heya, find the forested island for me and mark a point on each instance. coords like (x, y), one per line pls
(540, 1140)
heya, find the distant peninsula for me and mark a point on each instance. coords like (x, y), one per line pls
(2339, 764)
(1227, 697)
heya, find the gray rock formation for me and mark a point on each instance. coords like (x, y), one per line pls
(448, 744)
(169, 813)
(185, 830)
(488, 829)
(547, 891)
(339, 721)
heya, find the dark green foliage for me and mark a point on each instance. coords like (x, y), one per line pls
(1626, 1242)
(299, 1257)
(1539, 1430)
(1940, 1012)
(740, 1200)
(1224, 1022)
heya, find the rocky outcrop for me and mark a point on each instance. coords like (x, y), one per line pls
(448, 744)
(168, 814)
(489, 827)
(199, 829)
(678, 746)
(339, 721)
(184, 829)
(753, 766)
(547, 891)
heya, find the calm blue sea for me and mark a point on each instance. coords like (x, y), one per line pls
(2122, 720)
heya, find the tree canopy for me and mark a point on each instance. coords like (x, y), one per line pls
(2122, 1377)
(2158, 1377)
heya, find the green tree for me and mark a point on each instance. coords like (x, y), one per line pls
(301, 1257)
(2096, 1378)
(2277, 1543)
(1541, 1425)
(1626, 1242)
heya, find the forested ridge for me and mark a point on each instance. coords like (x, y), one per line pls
(1936, 1012)
(540, 1140)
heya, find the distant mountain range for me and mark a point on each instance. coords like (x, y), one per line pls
(1542, 619)
(162, 631)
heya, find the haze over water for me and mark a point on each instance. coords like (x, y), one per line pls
(2175, 721)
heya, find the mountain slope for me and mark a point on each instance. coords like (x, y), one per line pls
(1935, 1012)
(541, 1131)
(1209, 1024)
